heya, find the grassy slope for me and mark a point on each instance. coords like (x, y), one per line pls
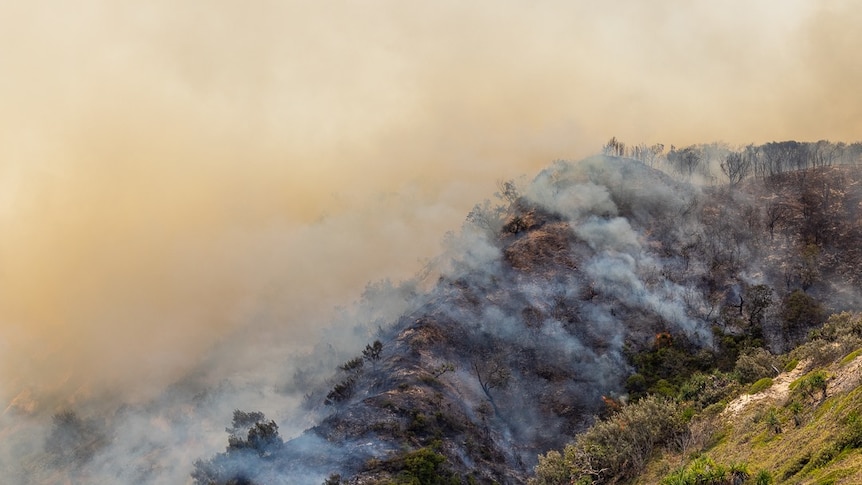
(797, 454)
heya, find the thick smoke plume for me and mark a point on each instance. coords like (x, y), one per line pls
(187, 191)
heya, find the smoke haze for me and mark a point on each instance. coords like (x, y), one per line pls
(177, 176)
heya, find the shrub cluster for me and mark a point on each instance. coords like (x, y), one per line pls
(840, 335)
(755, 364)
(760, 385)
(423, 466)
(253, 445)
(617, 448)
(704, 471)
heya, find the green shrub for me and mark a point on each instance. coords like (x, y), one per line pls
(739, 472)
(704, 471)
(811, 384)
(668, 363)
(617, 448)
(636, 384)
(763, 477)
(760, 385)
(791, 365)
(795, 408)
(665, 388)
(703, 390)
(773, 421)
(851, 437)
(755, 364)
(418, 424)
(421, 466)
(714, 409)
(839, 326)
(800, 312)
(838, 337)
(552, 469)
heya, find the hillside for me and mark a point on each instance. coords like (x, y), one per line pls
(795, 435)
(799, 425)
(602, 281)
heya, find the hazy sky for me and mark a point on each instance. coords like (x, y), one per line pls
(171, 172)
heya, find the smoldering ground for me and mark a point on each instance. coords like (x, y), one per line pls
(190, 189)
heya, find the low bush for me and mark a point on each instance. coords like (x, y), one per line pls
(703, 390)
(761, 385)
(838, 337)
(704, 471)
(763, 477)
(811, 384)
(424, 466)
(755, 364)
(851, 437)
(617, 448)
(800, 312)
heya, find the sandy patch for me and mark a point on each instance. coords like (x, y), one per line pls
(779, 390)
(846, 377)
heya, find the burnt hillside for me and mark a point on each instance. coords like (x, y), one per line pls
(548, 303)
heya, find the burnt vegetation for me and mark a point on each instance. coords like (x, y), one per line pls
(637, 285)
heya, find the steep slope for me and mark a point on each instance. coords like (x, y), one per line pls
(539, 310)
(804, 428)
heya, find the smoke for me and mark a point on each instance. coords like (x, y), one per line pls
(191, 189)
(536, 320)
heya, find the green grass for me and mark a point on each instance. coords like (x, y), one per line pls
(833, 476)
(705, 471)
(760, 385)
(803, 438)
(851, 356)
